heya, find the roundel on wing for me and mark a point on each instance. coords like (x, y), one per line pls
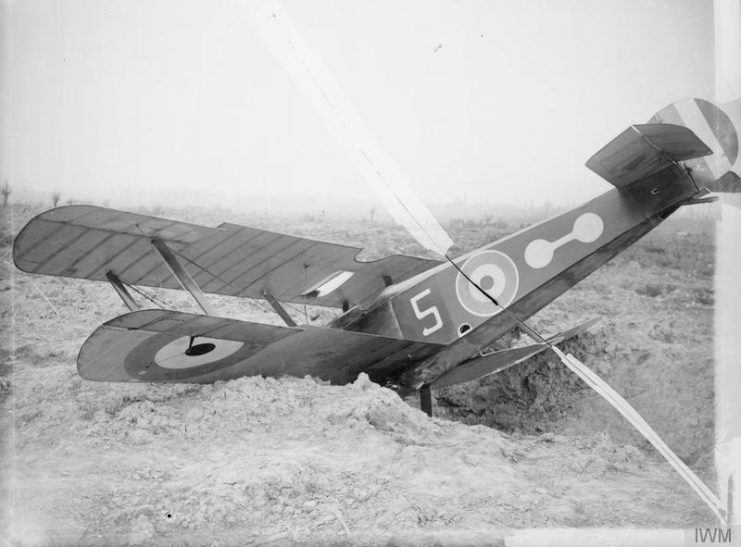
(168, 357)
(494, 272)
(179, 354)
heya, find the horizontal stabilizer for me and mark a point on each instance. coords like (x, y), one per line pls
(500, 360)
(644, 150)
(87, 242)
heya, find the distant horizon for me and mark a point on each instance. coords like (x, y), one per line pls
(456, 210)
(500, 102)
(336, 205)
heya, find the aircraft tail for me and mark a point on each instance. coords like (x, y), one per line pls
(644, 159)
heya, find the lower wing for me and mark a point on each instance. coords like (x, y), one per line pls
(498, 361)
(171, 346)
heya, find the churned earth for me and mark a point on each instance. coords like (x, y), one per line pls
(295, 461)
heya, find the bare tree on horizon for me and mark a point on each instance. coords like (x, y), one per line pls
(55, 198)
(6, 193)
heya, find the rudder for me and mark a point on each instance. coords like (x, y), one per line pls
(715, 128)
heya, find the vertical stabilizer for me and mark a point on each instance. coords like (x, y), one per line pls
(714, 128)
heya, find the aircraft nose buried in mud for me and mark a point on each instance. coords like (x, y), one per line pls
(406, 321)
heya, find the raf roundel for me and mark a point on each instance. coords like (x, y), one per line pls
(168, 357)
(178, 354)
(494, 272)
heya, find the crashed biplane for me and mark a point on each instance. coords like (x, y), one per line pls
(408, 322)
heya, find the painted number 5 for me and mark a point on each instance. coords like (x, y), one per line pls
(421, 314)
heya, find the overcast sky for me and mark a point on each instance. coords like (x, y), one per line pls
(135, 101)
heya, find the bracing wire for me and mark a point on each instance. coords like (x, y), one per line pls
(237, 289)
(136, 289)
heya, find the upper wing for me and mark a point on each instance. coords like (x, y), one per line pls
(643, 150)
(86, 242)
(170, 346)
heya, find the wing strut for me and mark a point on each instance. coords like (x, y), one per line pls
(182, 275)
(122, 291)
(279, 309)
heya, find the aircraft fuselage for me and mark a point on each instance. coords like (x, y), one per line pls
(524, 272)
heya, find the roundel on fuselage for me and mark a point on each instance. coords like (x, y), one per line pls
(494, 272)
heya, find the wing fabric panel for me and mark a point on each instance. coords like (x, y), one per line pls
(150, 346)
(85, 242)
(643, 150)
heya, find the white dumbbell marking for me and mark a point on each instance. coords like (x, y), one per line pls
(587, 228)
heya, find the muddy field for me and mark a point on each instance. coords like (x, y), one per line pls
(260, 461)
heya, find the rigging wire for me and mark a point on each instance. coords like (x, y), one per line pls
(136, 289)
(237, 289)
(529, 330)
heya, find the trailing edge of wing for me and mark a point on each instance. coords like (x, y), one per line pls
(86, 242)
(643, 150)
(501, 360)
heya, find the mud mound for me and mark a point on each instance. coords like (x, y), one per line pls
(296, 461)
(248, 404)
(532, 397)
